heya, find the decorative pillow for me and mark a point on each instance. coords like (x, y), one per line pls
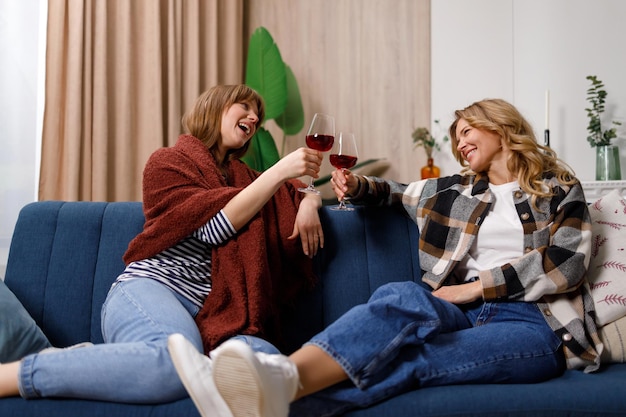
(607, 267)
(613, 336)
(19, 334)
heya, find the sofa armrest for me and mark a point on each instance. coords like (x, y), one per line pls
(62, 260)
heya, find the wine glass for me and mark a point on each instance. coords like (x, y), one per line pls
(344, 156)
(320, 137)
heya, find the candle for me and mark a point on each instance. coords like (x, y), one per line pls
(547, 109)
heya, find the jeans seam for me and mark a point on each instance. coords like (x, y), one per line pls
(25, 380)
(335, 356)
(487, 361)
(103, 311)
(361, 380)
(392, 346)
(139, 308)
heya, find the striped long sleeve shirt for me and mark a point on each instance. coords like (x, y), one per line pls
(186, 267)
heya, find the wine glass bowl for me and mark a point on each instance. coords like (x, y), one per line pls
(342, 161)
(320, 142)
(344, 155)
(321, 136)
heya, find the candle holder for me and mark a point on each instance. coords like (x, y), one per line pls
(546, 132)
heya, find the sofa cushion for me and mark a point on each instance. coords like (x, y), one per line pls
(68, 254)
(19, 334)
(574, 394)
(607, 267)
(67, 407)
(363, 250)
(613, 336)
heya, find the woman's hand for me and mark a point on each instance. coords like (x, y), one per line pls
(242, 207)
(302, 161)
(460, 294)
(343, 182)
(308, 225)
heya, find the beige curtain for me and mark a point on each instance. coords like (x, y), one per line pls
(119, 76)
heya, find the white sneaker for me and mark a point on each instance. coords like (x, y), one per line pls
(254, 384)
(194, 370)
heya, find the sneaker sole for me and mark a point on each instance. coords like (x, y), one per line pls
(237, 380)
(207, 406)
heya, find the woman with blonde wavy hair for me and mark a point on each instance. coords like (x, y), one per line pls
(528, 159)
(504, 249)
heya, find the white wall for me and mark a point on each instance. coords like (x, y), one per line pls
(518, 49)
(20, 110)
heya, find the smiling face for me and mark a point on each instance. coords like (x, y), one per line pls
(239, 122)
(484, 152)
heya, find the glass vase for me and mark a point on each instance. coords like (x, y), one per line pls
(607, 163)
(430, 170)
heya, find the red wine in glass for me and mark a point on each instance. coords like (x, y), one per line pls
(320, 137)
(344, 156)
(342, 161)
(322, 143)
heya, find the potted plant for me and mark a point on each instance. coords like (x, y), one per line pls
(607, 155)
(422, 137)
(275, 82)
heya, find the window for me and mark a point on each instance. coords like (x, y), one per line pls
(22, 57)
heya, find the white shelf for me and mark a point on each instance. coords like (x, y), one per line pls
(595, 189)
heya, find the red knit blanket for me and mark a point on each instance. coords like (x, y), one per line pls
(256, 273)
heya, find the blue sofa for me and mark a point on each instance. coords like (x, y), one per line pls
(65, 255)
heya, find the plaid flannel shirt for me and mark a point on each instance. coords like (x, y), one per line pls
(552, 271)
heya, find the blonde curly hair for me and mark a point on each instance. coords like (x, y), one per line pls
(529, 160)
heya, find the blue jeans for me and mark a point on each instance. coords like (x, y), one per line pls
(133, 365)
(404, 338)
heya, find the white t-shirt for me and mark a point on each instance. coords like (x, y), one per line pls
(500, 238)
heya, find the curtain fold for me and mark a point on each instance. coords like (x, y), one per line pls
(119, 76)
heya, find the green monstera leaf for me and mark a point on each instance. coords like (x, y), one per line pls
(291, 120)
(275, 82)
(262, 153)
(266, 73)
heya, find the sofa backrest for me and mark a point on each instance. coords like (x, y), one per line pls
(363, 249)
(64, 256)
(63, 259)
